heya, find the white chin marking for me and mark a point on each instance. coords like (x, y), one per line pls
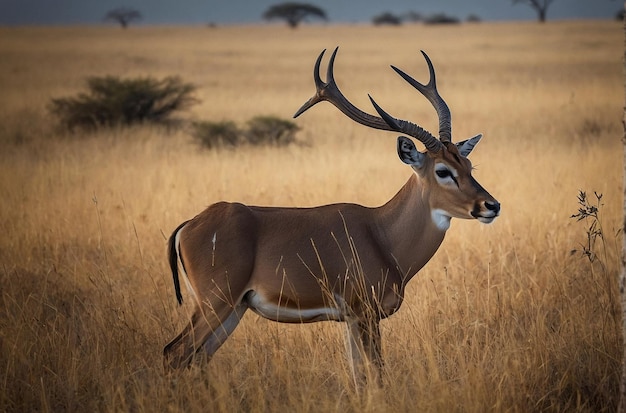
(486, 220)
(440, 218)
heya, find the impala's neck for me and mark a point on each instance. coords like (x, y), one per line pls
(412, 230)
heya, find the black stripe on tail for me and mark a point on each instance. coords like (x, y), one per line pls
(173, 254)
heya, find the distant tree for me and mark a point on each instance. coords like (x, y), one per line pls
(123, 16)
(387, 18)
(473, 18)
(441, 18)
(540, 6)
(294, 13)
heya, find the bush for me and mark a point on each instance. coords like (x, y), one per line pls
(216, 134)
(270, 130)
(261, 130)
(111, 101)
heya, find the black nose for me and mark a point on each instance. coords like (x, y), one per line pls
(493, 206)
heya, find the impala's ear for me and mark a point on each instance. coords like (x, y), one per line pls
(408, 153)
(465, 147)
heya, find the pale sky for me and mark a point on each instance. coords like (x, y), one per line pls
(45, 12)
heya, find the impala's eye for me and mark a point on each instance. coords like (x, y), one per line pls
(443, 173)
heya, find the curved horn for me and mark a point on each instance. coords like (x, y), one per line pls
(330, 92)
(429, 90)
(411, 129)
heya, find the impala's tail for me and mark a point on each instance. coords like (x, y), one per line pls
(173, 252)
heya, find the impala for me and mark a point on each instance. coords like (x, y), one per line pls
(341, 262)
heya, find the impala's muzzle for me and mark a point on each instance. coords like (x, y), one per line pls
(486, 211)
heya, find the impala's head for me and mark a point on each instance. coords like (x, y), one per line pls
(447, 174)
(443, 167)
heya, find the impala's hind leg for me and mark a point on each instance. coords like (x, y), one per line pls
(364, 344)
(208, 329)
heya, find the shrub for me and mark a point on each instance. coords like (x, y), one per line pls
(111, 101)
(270, 130)
(216, 134)
(261, 130)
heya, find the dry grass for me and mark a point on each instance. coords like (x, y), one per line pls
(503, 318)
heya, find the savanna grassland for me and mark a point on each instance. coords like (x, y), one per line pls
(504, 317)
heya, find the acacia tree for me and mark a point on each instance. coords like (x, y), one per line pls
(540, 6)
(123, 16)
(294, 13)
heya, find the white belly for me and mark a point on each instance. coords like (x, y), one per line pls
(272, 311)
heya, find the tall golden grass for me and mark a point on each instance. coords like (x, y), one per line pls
(503, 318)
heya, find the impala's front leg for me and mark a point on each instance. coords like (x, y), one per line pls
(364, 341)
